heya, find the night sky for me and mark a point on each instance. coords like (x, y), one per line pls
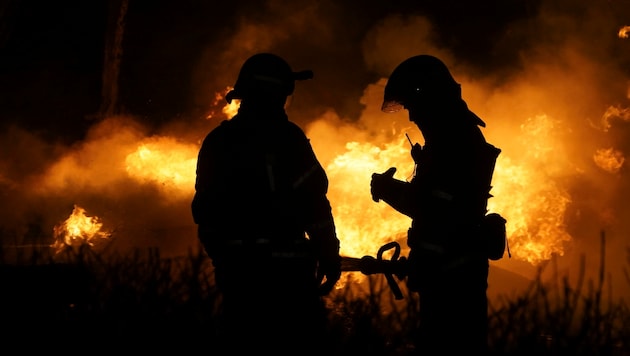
(52, 52)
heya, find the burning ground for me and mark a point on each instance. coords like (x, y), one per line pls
(551, 80)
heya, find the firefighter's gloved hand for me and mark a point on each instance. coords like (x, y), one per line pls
(416, 152)
(381, 184)
(328, 273)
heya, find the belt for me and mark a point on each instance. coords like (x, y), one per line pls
(240, 242)
(429, 246)
(284, 254)
(278, 249)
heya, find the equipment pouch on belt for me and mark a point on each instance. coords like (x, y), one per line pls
(493, 232)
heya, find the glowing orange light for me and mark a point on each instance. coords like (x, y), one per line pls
(79, 229)
(609, 159)
(529, 197)
(363, 225)
(532, 202)
(166, 162)
(229, 109)
(614, 113)
(624, 32)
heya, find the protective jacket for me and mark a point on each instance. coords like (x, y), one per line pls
(259, 183)
(447, 199)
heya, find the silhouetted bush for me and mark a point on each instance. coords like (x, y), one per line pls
(79, 301)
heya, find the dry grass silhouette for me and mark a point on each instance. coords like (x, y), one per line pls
(80, 299)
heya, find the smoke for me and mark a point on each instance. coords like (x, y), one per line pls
(548, 112)
(575, 73)
(550, 79)
(137, 183)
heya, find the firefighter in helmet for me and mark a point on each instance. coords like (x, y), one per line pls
(447, 201)
(264, 218)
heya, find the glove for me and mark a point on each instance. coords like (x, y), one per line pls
(416, 152)
(380, 184)
(328, 273)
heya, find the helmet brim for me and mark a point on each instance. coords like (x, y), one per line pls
(236, 93)
(391, 106)
(476, 119)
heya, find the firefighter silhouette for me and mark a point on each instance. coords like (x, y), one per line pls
(264, 218)
(447, 202)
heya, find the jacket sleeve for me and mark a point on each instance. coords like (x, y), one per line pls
(205, 196)
(203, 182)
(401, 196)
(312, 188)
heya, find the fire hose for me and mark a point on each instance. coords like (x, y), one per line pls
(368, 265)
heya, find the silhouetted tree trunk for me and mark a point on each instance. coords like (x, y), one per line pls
(113, 57)
(7, 10)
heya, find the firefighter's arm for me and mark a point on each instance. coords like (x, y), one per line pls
(325, 247)
(320, 225)
(394, 192)
(329, 269)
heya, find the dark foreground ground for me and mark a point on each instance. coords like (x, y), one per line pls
(84, 303)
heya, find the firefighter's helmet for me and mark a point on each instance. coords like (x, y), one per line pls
(264, 73)
(417, 77)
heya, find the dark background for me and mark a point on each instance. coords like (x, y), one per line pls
(52, 52)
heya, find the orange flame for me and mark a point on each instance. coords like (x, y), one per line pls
(230, 109)
(165, 162)
(363, 225)
(526, 195)
(525, 188)
(624, 31)
(609, 159)
(79, 229)
(614, 113)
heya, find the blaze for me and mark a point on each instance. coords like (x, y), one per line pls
(165, 162)
(624, 31)
(79, 229)
(231, 108)
(527, 194)
(526, 186)
(609, 159)
(227, 110)
(524, 193)
(363, 225)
